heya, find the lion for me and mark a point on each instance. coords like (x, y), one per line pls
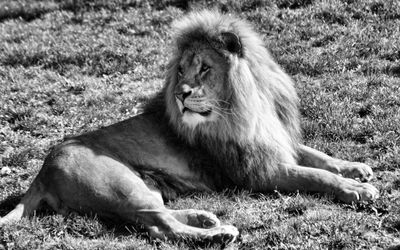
(227, 117)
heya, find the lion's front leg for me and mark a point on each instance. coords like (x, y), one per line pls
(293, 177)
(313, 158)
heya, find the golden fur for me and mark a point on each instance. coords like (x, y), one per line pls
(226, 118)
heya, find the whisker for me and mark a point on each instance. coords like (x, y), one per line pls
(218, 101)
(224, 118)
(222, 110)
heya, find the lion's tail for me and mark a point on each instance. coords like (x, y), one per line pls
(27, 205)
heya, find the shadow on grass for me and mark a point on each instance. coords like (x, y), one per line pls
(25, 10)
(92, 61)
(78, 225)
(91, 226)
(30, 10)
(9, 203)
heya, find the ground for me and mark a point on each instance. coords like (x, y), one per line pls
(67, 67)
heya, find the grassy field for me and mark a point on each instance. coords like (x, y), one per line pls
(67, 68)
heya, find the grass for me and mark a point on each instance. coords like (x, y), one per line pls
(69, 67)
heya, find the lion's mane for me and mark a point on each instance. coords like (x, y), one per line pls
(263, 113)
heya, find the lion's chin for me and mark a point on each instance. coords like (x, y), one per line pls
(203, 113)
(192, 119)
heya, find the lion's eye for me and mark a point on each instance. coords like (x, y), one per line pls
(204, 68)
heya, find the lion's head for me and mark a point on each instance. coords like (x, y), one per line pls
(223, 84)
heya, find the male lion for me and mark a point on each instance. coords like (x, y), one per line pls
(226, 118)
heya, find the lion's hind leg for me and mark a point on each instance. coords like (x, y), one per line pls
(144, 205)
(313, 158)
(187, 224)
(163, 224)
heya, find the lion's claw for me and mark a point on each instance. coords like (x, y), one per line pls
(225, 234)
(353, 191)
(356, 170)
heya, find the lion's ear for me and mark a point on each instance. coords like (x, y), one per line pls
(232, 42)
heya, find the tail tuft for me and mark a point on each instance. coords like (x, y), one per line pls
(15, 215)
(28, 204)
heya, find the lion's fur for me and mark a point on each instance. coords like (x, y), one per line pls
(263, 111)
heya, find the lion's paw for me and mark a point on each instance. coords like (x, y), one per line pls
(197, 218)
(203, 219)
(353, 191)
(356, 170)
(224, 234)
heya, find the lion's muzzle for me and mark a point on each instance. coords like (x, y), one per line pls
(190, 101)
(181, 96)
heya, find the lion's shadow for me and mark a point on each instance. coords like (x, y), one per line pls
(117, 227)
(73, 224)
(9, 203)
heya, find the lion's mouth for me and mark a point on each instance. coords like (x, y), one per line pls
(203, 113)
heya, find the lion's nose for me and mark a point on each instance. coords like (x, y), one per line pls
(182, 95)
